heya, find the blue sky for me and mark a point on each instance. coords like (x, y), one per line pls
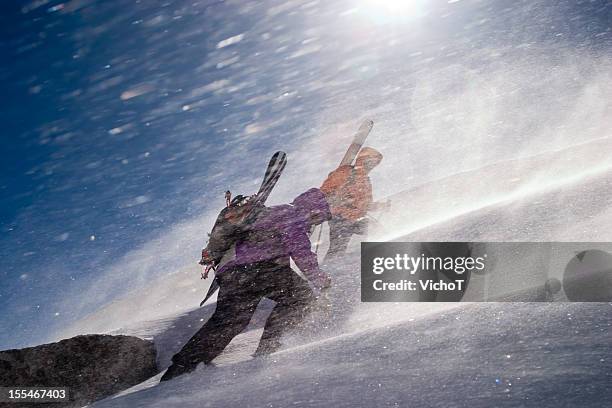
(122, 119)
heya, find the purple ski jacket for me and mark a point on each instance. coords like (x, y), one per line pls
(281, 232)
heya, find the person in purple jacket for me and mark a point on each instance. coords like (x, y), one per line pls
(262, 269)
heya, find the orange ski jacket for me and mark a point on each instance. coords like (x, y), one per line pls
(348, 191)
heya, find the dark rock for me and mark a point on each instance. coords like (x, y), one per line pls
(92, 366)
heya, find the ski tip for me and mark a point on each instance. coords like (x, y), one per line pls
(367, 124)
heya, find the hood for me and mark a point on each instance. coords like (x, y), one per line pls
(368, 158)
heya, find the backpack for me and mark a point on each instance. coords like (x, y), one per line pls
(232, 225)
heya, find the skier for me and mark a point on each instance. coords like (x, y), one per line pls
(262, 269)
(348, 191)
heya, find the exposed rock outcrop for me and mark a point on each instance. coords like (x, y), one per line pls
(92, 366)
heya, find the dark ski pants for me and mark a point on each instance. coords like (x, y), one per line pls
(340, 232)
(240, 291)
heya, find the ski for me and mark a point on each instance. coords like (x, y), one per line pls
(350, 155)
(276, 165)
(358, 140)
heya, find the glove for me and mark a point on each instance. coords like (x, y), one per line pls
(207, 262)
(207, 269)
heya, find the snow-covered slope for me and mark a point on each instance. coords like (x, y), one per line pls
(480, 355)
(379, 354)
(566, 171)
(577, 211)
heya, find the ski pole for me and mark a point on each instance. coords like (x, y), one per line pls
(318, 239)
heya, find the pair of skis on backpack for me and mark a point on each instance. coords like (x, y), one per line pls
(244, 209)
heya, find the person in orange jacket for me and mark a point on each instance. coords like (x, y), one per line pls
(348, 191)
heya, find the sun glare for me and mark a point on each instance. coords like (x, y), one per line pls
(390, 10)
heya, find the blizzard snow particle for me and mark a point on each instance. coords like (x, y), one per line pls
(55, 8)
(211, 87)
(142, 199)
(92, 238)
(136, 91)
(231, 40)
(252, 128)
(228, 62)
